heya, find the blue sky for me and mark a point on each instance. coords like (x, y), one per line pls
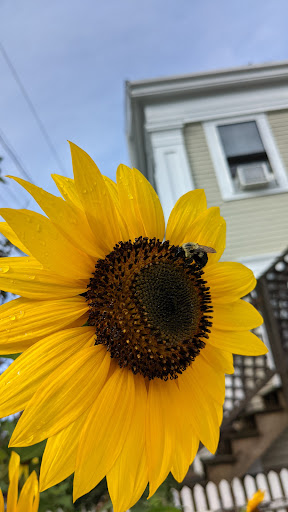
(73, 59)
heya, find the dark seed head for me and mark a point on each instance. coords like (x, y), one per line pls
(150, 307)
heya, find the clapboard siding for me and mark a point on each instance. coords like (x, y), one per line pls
(254, 226)
(279, 125)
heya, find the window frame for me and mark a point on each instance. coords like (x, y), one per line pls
(221, 167)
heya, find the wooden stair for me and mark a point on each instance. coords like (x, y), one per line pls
(247, 438)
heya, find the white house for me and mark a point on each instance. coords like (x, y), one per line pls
(224, 131)
(227, 132)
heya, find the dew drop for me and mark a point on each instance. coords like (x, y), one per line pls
(29, 440)
(4, 269)
(20, 314)
(12, 317)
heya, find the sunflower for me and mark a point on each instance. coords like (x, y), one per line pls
(29, 496)
(256, 499)
(126, 338)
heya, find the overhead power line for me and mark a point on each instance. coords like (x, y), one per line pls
(32, 108)
(13, 155)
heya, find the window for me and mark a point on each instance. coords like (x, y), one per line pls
(245, 157)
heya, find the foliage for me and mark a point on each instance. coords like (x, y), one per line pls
(60, 496)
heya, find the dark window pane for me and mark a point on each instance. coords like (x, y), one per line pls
(241, 139)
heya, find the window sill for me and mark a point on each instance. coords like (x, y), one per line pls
(236, 196)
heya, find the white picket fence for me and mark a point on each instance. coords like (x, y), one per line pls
(234, 495)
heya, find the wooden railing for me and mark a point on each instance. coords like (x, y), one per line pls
(251, 373)
(272, 290)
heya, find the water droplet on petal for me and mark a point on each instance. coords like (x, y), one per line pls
(29, 440)
(12, 317)
(4, 269)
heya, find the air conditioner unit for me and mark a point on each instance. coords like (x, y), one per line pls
(251, 176)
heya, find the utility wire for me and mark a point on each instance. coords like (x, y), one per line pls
(32, 108)
(13, 155)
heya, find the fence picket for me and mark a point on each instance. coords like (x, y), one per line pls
(284, 480)
(261, 481)
(275, 486)
(200, 498)
(214, 502)
(187, 500)
(249, 486)
(226, 494)
(238, 491)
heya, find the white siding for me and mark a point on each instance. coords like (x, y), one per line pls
(279, 125)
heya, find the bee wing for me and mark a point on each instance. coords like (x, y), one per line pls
(206, 249)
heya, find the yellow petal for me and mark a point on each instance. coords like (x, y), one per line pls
(159, 433)
(238, 315)
(22, 378)
(213, 380)
(12, 495)
(96, 199)
(186, 446)
(185, 442)
(24, 321)
(229, 281)
(244, 343)
(25, 276)
(47, 245)
(63, 396)
(1, 502)
(208, 229)
(184, 213)
(67, 189)
(105, 431)
(128, 477)
(217, 358)
(28, 494)
(59, 458)
(113, 191)
(255, 500)
(35, 505)
(140, 204)
(70, 220)
(201, 409)
(10, 235)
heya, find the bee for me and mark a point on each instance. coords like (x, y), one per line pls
(196, 253)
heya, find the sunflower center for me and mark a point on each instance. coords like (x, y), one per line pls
(150, 307)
